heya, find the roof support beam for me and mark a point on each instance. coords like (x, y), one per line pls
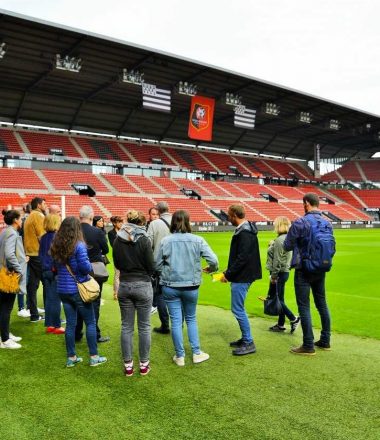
(267, 144)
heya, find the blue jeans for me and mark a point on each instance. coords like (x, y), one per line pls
(303, 282)
(238, 294)
(135, 297)
(182, 301)
(282, 278)
(52, 300)
(73, 304)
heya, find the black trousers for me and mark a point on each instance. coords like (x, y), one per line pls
(34, 278)
(7, 301)
(79, 326)
(159, 302)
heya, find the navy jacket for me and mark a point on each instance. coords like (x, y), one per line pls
(45, 257)
(96, 242)
(80, 266)
(244, 265)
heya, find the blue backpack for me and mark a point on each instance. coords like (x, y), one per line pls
(320, 246)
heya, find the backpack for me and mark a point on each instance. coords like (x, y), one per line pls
(320, 246)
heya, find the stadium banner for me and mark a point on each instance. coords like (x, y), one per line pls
(201, 118)
(155, 98)
(244, 117)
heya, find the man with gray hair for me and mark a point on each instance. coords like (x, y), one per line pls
(96, 247)
(157, 230)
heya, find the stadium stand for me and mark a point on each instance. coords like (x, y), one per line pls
(42, 143)
(8, 142)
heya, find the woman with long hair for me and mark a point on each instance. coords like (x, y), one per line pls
(13, 258)
(52, 223)
(179, 261)
(278, 264)
(69, 250)
(133, 256)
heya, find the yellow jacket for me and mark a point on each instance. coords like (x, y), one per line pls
(33, 230)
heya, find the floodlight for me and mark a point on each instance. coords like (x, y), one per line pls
(232, 99)
(185, 88)
(305, 117)
(133, 77)
(3, 49)
(334, 124)
(272, 109)
(70, 64)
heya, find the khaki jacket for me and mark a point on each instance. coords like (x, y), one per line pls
(33, 230)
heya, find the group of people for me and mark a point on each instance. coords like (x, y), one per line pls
(157, 265)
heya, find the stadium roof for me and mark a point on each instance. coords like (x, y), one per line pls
(33, 91)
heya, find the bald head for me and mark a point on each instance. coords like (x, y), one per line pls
(55, 209)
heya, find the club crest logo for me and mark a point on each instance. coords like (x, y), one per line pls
(200, 116)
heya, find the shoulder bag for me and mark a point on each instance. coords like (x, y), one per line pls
(89, 290)
(9, 280)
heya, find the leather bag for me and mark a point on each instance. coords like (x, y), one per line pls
(100, 272)
(89, 290)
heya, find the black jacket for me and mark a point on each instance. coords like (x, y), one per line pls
(244, 265)
(132, 254)
(96, 242)
(111, 236)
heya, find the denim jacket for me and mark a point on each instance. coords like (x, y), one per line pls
(179, 259)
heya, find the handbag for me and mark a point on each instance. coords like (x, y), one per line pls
(9, 281)
(100, 271)
(272, 304)
(89, 290)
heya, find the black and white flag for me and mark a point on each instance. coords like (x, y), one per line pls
(155, 98)
(244, 117)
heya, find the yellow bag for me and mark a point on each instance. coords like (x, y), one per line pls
(89, 290)
(9, 281)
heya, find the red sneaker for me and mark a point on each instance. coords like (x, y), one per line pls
(144, 368)
(59, 331)
(50, 329)
(128, 368)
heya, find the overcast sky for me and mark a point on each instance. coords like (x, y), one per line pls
(327, 48)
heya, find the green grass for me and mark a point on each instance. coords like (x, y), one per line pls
(269, 395)
(352, 285)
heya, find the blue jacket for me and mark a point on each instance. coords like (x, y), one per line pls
(80, 266)
(179, 259)
(45, 257)
(297, 237)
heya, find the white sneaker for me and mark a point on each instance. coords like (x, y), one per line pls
(201, 357)
(40, 310)
(23, 313)
(15, 338)
(10, 344)
(180, 361)
(153, 310)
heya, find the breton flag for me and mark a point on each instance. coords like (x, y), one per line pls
(244, 117)
(155, 98)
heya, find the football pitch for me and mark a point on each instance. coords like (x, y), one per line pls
(352, 286)
(269, 395)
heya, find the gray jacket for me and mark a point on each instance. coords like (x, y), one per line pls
(278, 259)
(12, 254)
(158, 230)
(179, 259)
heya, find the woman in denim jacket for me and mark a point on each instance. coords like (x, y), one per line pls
(179, 262)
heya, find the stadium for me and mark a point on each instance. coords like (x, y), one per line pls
(90, 120)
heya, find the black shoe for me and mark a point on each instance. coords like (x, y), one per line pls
(162, 330)
(276, 328)
(104, 339)
(294, 324)
(244, 349)
(303, 351)
(323, 345)
(237, 343)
